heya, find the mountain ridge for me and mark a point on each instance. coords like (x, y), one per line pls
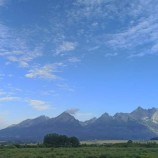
(139, 124)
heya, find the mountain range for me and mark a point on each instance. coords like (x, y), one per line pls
(140, 124)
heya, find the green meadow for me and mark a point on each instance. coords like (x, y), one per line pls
(80, 152)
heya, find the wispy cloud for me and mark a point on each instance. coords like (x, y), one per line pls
(139, 31)
(65, 87)
(143, 33)
(49, 93)
(74, 60)
(111, 54)
(39, 105)
(17, 51)
(23, 58)
(72, 111)
(8, 99)
(47, 71)
(9, 91)
(65, 47)
(92, 2)
(82, 116)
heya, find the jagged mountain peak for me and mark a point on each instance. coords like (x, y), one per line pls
(65, 117)
(65, 114)
(122, 116)
(105, 117)
(42, 117)
(140, 109)
(143, 114)
(31, 122)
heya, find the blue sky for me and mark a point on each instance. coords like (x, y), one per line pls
(84, 56)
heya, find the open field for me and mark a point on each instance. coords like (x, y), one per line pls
(100, 142)
(81, 152)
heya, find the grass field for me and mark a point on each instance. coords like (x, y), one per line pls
(81, 152)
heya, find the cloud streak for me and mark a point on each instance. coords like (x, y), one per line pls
(23, 58)
(9, 99)
(39, 105)
(65, 47)
(47, 71)
(17, 51)
(143, 33)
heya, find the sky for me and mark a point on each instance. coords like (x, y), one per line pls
(86, 57)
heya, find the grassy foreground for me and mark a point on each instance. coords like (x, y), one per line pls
(81, 152)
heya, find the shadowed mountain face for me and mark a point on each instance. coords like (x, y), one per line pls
(139, 124)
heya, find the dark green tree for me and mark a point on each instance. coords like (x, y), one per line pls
(74, 141)
(55, 140)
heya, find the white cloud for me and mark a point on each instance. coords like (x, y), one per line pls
(8, 99)
(141, 54)
(138, 20)
(49, 93)
(99, 9)
(39, 105)
(45, 72)
(134, 35)
(74, 60)
(72, 111)
(66, 46)
(17, 51)
(23, 58)
(142, 35)
(93, 2)
(111, 54)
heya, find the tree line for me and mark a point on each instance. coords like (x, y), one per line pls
(56, 140)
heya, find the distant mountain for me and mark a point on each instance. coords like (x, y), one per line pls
(125, 117)
(32, 122)
(147, 117)
(65, 118)
(141, 114)
(139, 124)
(88, 122)
(120, 126)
